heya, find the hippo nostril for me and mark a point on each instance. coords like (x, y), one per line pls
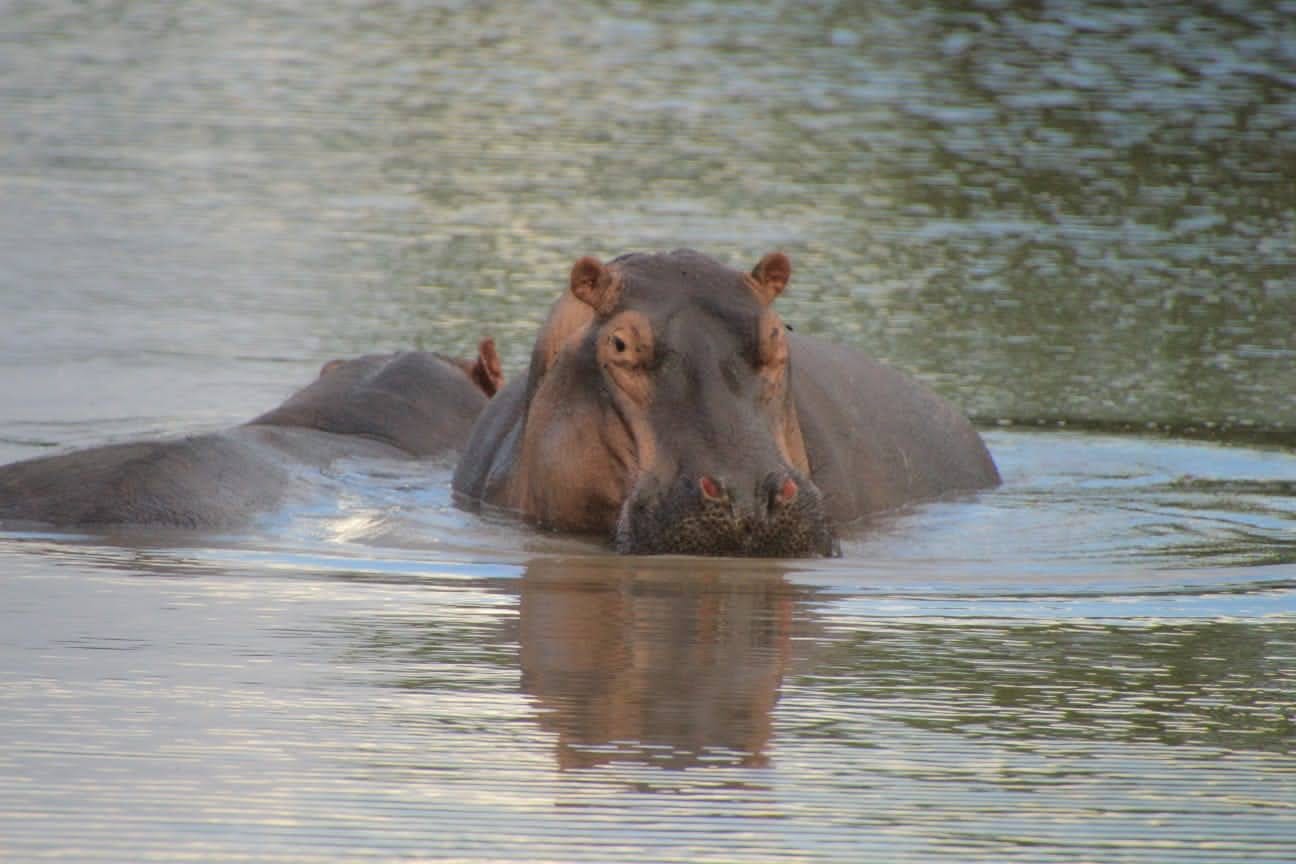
(779, 492)
(711, 488)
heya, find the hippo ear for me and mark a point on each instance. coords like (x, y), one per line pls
(331, 365)
(486, 371)
(770, 276)
(595, 285)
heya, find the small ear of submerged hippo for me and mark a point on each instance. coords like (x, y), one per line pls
(486, 371)
(771, 276)
(330, 366)
(595, 285)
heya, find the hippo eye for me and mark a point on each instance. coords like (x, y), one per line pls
(626, 344)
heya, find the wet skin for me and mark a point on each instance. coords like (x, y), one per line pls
(668, 408)
(407, 405)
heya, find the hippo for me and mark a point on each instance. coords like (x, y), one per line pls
(668, 408)
(412, 404)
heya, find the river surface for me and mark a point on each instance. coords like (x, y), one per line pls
(1075, 220)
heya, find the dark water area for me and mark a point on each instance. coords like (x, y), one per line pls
(1076, 221)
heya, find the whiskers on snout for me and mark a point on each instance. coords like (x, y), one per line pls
(782, 518)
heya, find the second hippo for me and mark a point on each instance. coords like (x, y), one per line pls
(412, 404)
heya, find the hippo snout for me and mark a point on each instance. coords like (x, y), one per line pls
(781, 515)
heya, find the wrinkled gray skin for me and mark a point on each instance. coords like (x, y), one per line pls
(874, 438)
(407, 405)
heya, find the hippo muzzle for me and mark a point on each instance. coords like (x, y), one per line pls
(781, 515)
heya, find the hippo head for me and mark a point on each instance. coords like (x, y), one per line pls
(659, 410)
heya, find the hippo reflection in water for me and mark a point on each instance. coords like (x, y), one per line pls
(658, 664)
(666, 407)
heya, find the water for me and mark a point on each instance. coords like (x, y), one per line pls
(1074, 220)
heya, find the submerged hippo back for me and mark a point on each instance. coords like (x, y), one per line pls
(876, 439)
(203, 481)
(413, 404)
(418, 401)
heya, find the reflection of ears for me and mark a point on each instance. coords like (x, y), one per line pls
(486, 372)
(595, 285)
(770, 277)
